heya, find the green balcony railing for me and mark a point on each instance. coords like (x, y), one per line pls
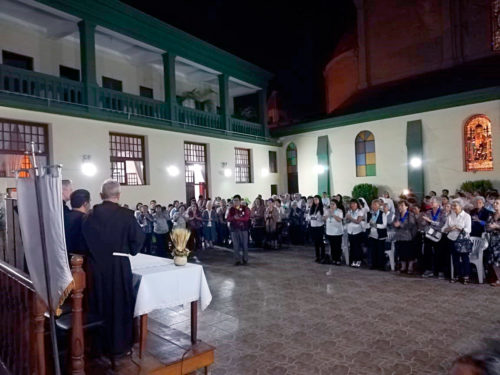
(68, 97)
(130, 105)
(40, 85)
(247, 127)
(185, 115)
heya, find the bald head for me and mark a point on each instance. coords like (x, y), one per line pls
(67, 189)
(110, 190)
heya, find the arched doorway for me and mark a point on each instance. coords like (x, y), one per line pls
(291, 168)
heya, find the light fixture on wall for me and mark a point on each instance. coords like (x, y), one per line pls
(172, 170)
(264, 172)
(226, 170)
(406, 191)
(88, 168)
(415, 162)
(319, 169)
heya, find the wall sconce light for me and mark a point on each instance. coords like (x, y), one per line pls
(88, 168)
(264, 172)
(173, 171)
(406, 192)
(416, 162)
(319, 169)
(225, 170)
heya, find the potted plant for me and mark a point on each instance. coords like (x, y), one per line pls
(180, 253)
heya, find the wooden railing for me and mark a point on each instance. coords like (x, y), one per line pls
(189, 116)
(40, 85)
(70, 99)
(130, 105)
(247, 127)
(22, 323)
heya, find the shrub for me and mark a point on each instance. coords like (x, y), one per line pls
(367, 191)
(482, 186)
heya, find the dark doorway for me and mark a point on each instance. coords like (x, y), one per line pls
(291, 168)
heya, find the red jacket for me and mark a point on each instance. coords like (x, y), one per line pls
(238, 218)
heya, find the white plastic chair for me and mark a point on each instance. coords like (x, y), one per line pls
(476, 257)
(391, 253)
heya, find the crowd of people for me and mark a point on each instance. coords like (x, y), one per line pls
(426, 233)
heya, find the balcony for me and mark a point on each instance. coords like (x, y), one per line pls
(37, 91)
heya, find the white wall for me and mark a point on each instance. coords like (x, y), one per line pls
(72, 137)
(48, 54)
(443, 151)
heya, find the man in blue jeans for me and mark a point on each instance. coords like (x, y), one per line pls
(238, 218)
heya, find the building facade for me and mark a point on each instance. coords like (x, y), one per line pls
(158, 109)
(422, 145)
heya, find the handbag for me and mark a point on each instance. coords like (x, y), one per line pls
(433, 235)
(463, 244)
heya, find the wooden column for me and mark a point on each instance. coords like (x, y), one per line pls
(88, 61)
(194, 322)
(77, 338)
(263, 110)
(38, 348)
(169, 85)
(224, 101)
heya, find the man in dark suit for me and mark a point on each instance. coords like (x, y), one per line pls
(80, 206)
(110, 233)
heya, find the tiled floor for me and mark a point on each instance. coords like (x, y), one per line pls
(285, 314)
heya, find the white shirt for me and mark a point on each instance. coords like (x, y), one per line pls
(354, 228)
(326, 201)
(373, 230)
(461, 221)
(316, 219)
(334, 227)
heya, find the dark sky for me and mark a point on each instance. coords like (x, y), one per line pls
(293, 40)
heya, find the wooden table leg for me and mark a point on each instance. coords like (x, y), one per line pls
(194, 322)
(143, 334)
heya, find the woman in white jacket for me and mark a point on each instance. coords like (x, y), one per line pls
(458, 222)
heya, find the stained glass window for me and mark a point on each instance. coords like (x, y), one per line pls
(365, 154)
(478, 150)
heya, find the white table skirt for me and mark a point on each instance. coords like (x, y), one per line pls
(162, 284)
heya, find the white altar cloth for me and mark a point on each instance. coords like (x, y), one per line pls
(162, 284)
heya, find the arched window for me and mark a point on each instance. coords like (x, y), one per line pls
(291, 168)
(365, 154)
(477, 138)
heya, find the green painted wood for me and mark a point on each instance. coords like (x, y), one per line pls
(169, 84)
(415, 148)
(124, 19)
(323, 154)
(263, 110)
(448, 101)
(224, 101)
(87, 60)
(24, 89)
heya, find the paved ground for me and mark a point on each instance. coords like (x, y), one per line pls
(285, 314)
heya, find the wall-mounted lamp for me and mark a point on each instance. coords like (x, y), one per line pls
(264, 172)
(406, 191)
(173, 171)
(415, 162)
(319, 169)
(88, 168)
(225, 170)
